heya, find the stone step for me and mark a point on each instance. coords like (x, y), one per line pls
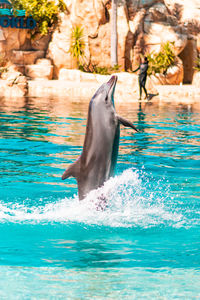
(43, 62)
(39, 71)
(20, 57)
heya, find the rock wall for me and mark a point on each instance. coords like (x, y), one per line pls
(189, 57)
(143, 25)
(12, 39)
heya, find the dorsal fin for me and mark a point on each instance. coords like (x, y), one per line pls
(126, 123)
(73, 170)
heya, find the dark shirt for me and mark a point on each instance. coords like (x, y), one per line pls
(143, 67)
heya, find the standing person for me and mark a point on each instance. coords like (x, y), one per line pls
(143, 67)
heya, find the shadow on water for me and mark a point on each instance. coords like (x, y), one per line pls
(141, 140)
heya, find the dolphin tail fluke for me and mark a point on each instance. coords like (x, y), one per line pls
(73, 170)
(126, 123)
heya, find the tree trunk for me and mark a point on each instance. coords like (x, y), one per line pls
(113, 50)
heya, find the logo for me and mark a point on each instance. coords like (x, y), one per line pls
(14, 20)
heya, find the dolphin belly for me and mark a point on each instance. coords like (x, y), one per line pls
(93, 175)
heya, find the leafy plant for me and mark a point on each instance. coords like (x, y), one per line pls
(77, 43)
(44, 12)
(91, 68)
(106, 70)
(161, 61)
(101, 70)
(197, 67)
(115, 68)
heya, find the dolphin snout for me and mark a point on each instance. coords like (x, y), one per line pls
(112, 81)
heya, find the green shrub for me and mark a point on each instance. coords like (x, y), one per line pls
(45, 13)
(91, 68)
(105, 70)
(197, 67)
(98, 70)
(115, 68)
(77, 44)
(160, 62)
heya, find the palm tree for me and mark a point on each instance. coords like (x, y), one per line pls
(113, 50)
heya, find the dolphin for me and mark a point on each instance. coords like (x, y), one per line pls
(97, 162)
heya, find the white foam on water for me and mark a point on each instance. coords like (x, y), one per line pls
(130, 202)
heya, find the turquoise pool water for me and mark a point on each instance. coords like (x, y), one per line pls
(145, 245)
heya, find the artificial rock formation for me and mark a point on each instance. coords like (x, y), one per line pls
(143, 25)
(19, 49)
(42, 70)
(16, 84)
(20, 39)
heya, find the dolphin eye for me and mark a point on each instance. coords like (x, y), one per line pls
(106, 99)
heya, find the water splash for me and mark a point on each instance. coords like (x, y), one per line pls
(133, 200)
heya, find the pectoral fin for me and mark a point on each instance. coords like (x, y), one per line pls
(126, 123)
(73, 170)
